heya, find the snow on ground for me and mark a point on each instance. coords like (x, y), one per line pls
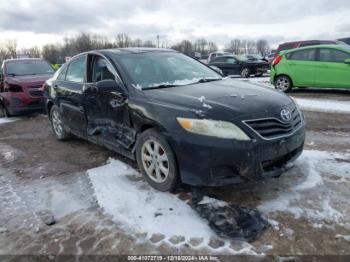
(132, 203)
(308, 104)
(324, 105)
(313, 198)
(7, 120)
(138, 208)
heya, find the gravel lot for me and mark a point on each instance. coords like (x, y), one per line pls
(43, 181)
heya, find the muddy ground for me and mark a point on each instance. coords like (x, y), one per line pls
(39, 174)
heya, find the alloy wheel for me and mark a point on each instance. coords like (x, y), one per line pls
(245, 73)
(57, 122)
(283, 83)
(155, 161)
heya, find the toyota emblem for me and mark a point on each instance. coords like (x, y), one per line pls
(286, 115)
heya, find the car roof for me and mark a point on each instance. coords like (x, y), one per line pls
(135, 50)
(22, 59)
(339, 47)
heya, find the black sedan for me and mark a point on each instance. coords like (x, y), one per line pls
(233, 65)
(179, 119)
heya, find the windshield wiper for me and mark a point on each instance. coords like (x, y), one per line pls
(160, 86)
(11, 75)
(206, 80)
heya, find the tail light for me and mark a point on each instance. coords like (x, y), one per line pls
(277, 60)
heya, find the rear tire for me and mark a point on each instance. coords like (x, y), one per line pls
(245, 73)
(156, 161)
(283, 83)
(58, 128)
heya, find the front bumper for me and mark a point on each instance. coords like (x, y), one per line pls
(206, 161)
(27, 109)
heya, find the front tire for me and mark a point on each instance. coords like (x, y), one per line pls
(156, 160)
(57, 125)
(245, 73)
(283, 83)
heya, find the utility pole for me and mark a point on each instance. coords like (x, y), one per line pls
(158, 40)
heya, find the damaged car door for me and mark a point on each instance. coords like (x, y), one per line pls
(68, 90)
(106, 106)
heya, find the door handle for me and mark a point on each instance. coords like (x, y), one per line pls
(81, 109)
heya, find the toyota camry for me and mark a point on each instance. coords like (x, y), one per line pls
(178, 118)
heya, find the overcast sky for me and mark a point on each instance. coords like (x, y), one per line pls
(36, 22)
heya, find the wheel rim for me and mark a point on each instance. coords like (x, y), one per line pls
(282, 83)
(155, 161)
(57, 123)
(245, 72)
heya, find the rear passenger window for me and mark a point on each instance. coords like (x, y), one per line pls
(219, 60)
(332, 55)
(303, 55)
(231, 60)
(76, 70)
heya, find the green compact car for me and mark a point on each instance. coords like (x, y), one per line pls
(324, 66)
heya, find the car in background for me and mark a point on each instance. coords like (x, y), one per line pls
(216, 54)
(21, 82)
(204, 59)
(345, 40)
(315, 66)
(179, 119)
(298, 44)
(234, 65)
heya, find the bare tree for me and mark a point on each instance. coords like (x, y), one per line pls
(33, 52)
(262, 46)
(123, 40)
(234, 46)
(11, 48)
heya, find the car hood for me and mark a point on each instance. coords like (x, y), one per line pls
(227, 99)
(30, 80)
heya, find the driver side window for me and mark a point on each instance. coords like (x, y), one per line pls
(100, 70)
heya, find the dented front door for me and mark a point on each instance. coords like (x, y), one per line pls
(107, 111)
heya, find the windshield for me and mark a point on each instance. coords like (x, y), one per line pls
(28, 67)
(156, 69)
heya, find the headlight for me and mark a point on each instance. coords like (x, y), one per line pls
(213, 128)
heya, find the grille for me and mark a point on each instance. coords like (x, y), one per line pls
(37, 86)
(270, 128)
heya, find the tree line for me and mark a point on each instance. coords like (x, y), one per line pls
(56, 53)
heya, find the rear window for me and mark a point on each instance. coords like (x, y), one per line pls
(285, 47)
(28, 67)
(302, 55)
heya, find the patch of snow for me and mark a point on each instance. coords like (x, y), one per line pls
(345, 237)
(7, 120)
(212, 201)
(140, 208)
(201, 99)
(323, 105)
(293, 199)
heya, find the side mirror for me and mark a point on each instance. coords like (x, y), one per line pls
(109, 85)
(347, 61)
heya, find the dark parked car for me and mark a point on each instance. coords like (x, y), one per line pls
(21, 82)
(233, 65)
(178, 118)
(297, 44)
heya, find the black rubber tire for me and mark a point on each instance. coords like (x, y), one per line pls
(3, 111)
(173, 178)
(245, 73)
(64, 135)
(288, 83)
